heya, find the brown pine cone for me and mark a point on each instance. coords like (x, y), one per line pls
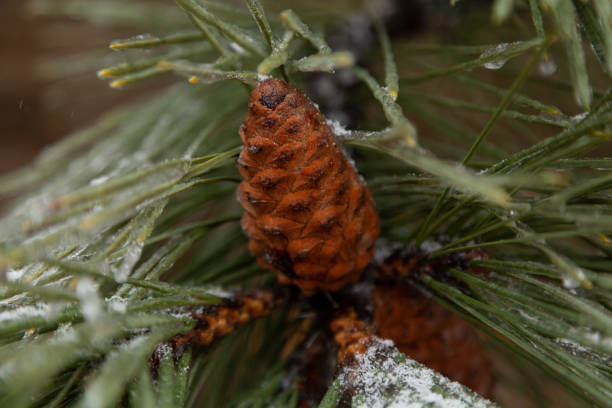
(432, 335)
(309, 216)
(351, 334)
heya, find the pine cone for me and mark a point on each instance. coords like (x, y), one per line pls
(432, 335)
(309, 216)
(351, 334)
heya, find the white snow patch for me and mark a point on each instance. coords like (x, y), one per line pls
(430, 246)
(237, 48)
(91, 304)
(99, 180)
(219, 292)
(38, 310)
(64, 333)
(573, 278)
(117, 304)
(182, 314)
(163, 350)
(384, 249)
(383, 377)
(338, 129)
(579, 117)
(131, 257)
(131, 344)
(573, 345)
(527, 316)
(13, 275)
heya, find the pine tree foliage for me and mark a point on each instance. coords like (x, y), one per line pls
(114, 232)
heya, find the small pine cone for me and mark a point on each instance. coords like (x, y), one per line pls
(216, 321)
(432, 335)
(351, 334)
(309, 217)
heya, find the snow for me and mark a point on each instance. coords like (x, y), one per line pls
(64, 333)
(384, 248)
(131, 257)
(163, 350)
(38, 310)
(430, 246)
(13, 275)
(91, 304)
(180, 314)
(219, 292)
(567, 343)
(237, 48)
(99, 180)
(383, 377)
(527, 316)
(338, 129)
(117, 304)
(579, 117)
(572, 278)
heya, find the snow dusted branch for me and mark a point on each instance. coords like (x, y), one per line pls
(384, 377)
(375, 374)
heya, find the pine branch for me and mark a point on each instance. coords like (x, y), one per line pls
(375, 373)
(118, 228)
